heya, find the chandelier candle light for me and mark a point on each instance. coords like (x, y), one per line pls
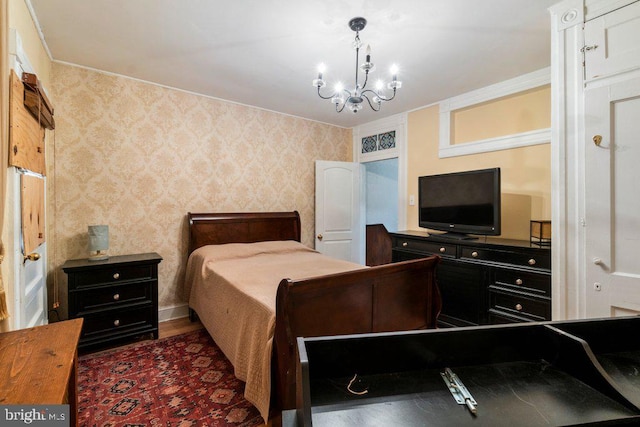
(354, 99)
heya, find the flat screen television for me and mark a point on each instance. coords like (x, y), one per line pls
(461, 203)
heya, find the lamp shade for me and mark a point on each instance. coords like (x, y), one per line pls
(98, 240)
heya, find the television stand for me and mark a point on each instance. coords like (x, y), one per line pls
(485, 281)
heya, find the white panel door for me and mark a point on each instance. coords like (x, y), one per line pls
(339, 211)
(33, 309)
(30, 287)
(612, 199)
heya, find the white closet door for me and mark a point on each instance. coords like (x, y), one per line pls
(612, 183)
(612, 43)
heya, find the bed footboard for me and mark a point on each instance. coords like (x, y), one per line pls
(392, 297)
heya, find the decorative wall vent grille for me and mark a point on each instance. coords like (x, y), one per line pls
(382, 141)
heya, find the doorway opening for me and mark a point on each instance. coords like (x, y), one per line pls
(381, 188)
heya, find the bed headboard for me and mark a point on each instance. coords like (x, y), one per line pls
(220, 228)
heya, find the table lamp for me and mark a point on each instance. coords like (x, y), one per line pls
(98, 242)
(541, 232)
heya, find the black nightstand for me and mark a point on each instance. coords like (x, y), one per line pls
(117, 297)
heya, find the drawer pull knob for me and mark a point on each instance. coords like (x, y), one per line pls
(116, 322)
(116, 276)
(474, 254)
(443, 250)
(405, 244)
(518, 282)
(532, 261)
(116, 297)
(519, 307)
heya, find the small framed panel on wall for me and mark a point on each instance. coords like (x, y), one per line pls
(505, 108)
(26, 135)
(27, 153)
(33, 221)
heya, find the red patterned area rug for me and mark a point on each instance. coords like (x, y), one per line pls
(179, 381)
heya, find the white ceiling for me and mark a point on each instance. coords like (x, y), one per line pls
(265, 52)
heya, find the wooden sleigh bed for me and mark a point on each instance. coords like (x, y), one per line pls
(358, 299)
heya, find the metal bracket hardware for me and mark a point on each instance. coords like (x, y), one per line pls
(459, 391)
(588, 48)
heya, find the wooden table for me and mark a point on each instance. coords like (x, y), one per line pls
(39, 365)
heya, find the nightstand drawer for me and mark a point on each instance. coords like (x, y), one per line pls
(111, 296)
(442, 249)
(537, 284)
(520, 306)
(533, 260)
(116, 321)
(114, 273)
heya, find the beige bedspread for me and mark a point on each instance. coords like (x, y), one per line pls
(233, 289)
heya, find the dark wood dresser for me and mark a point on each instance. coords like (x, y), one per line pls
(484, 281)
(117, 297)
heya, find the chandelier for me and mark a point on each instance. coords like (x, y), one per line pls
(353, 99)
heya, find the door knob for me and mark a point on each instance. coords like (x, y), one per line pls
(31, 257)
(319, 236)
(597, 261)
(597, 139)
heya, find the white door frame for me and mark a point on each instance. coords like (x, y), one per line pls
(398, 123)
(567, 161)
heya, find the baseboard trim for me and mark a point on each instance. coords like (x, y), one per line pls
(173, 312)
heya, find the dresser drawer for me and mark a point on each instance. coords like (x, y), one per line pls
(117, 321)
(520, 259)
(520, 306)
(537, 284)
(110, 296)
(114, 273)
(442, 249)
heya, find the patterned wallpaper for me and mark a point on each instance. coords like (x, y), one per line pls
(138, 157)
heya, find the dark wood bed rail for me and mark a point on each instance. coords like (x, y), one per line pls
(393, 297)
